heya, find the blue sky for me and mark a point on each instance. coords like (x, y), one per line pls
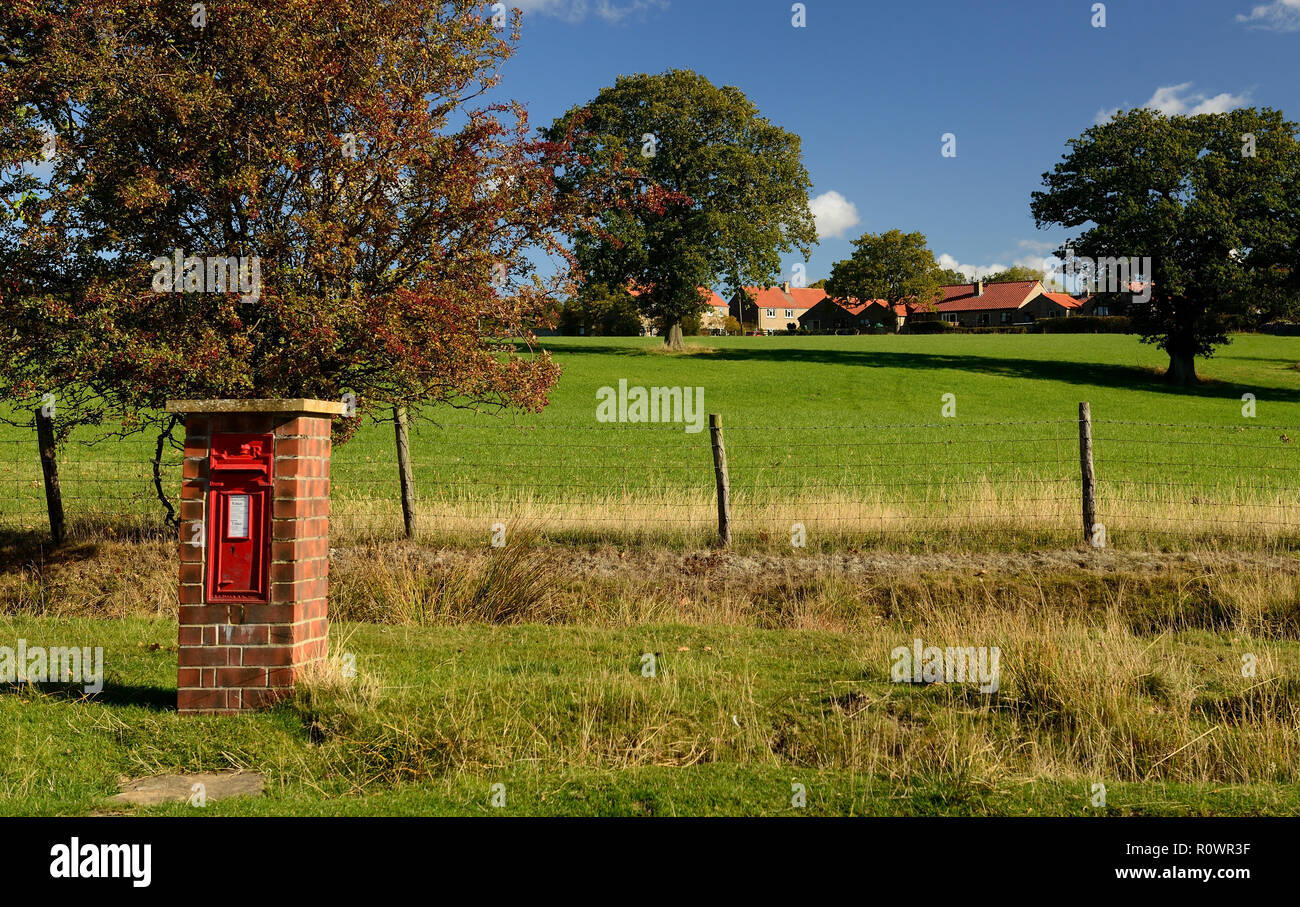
(871, 87)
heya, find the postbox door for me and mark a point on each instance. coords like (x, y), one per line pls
(239, 524)
(239, 521)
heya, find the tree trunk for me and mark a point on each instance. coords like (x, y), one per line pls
(673, 339)
(1182, 367)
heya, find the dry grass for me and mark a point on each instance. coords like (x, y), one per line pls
(980, 513)
(1113, 668)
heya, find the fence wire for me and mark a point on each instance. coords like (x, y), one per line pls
(612, 482)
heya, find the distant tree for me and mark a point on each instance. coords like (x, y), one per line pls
(732, 326)
(598, 311)
(818, 285)
(1016, 274)
(723, 191)
(894, 266)
(1213, 200)
(947, 277)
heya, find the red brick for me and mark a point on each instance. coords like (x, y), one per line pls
(241, 677)
(200, 700)
(242, 423)
(203, 614)
(190, 635)
(312, 609)
(279, 634)
(269, 614)
(201, 656)
(277, 656)
(291, 509)
(244, 634)
(296, 447)
(189, 677)
(281, 677)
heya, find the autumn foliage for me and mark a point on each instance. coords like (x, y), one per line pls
(352, 148)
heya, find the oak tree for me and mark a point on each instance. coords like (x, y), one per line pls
(723, 192)
(1213, 200)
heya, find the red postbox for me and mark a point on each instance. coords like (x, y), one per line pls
(239, 517)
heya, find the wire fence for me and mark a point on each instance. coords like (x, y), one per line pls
(996, 482)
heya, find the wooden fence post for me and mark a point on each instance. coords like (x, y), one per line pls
(50, 469)
(404, 470)
(1089, 477)
(720, 477)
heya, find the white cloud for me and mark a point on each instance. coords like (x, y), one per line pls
(834, 214)
(1050, 265)
(1180, 100)
(1280, 15)
(970, 271)
(612, 11)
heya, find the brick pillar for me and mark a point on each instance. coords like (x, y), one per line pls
(245, 649)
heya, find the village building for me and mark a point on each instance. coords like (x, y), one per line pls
(980, 304)
(770, 310)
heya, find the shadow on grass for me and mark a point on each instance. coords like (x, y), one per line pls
(29, 548)
(1083, 374)
(157, 699)
(21, 549)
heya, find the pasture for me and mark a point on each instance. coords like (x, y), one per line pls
(846, 436)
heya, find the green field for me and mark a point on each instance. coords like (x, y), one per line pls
(844, 435)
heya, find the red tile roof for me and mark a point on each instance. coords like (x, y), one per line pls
(1065, 300)
(802, 298)
(715, 300)
(962, 298)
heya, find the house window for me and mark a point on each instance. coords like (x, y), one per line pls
(1006, 316)
(771, 313)
(789, 313)
(949, 317)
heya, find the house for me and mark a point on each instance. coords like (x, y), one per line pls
(979, 304)
(1136, 298)
(714, 316)
(774, 309)
(1072, 304)
(832, 314)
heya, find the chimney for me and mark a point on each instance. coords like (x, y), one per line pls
(978, 287)
(785, 287)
